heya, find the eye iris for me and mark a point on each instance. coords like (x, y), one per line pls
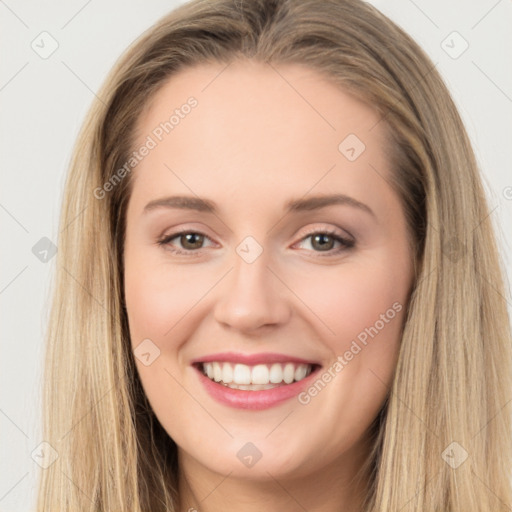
(191, 240)
(321, 239)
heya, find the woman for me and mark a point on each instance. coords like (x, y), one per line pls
(278, 283)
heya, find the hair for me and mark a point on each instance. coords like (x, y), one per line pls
(453, 376)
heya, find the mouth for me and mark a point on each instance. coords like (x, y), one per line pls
(254, 381)
(256, 377)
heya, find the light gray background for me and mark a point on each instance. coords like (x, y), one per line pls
(44, 101)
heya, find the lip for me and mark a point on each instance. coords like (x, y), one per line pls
(254, 400)
(252, 359)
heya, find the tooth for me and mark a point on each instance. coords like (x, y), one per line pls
(266, 386)
(288, 373)
(255, 377)
(227, 373)
(217, 372)
(209, 370)
(300, 372)
(242, 374)
(276, 373)
(260, 374)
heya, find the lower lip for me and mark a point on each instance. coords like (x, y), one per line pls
(255, 400)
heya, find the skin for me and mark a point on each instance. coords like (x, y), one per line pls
(252, 143)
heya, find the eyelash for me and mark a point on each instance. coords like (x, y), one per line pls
(346, 243)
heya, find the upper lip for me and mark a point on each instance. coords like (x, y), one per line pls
(252, 359)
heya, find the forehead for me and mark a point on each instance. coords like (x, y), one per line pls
(258, 128)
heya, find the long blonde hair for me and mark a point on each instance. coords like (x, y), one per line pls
(454, 374)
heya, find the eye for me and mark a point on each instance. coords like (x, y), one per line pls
(190, 241)
(321, 241)
(325, 240)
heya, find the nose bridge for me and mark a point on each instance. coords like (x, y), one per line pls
(250, 297)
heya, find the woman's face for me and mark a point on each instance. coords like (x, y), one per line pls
(266, 248)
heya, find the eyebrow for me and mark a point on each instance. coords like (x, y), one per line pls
(294, 205)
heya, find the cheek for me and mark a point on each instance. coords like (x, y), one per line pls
(363, 305)
(157, 298)
(352, 299)
(159, 303)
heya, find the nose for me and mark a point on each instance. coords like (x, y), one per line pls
(251, 297)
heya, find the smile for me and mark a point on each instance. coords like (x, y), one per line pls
(254, 381)
(255, 377)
